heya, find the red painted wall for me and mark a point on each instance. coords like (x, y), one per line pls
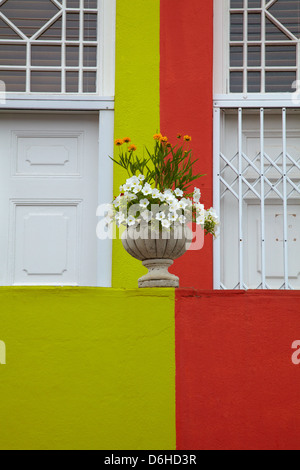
(186, 105)
(237, 387)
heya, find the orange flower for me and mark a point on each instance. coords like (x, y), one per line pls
(126, 140)
(132, 148)
(157, 136)
(187, 138)
(179, 136)
(164, 139)
(118, 142)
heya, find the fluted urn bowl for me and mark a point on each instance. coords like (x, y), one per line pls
(157, 249)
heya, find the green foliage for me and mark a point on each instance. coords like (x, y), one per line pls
(167, 166)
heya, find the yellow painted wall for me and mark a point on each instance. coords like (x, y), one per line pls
(137, 101)
(87, 368)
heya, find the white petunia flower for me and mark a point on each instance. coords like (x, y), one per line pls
(170, 198)
(155, 193)
(117, 201)
(132, 180)
(144, 203)
(160, 216)
(199, 207)
(147, 189)
(126, 187)
(178, 192)
(136, 188)
(120, 218)
(131, 221)
(165, 223)
(130, 196)
(213, 214)
(183, 203)
(173, 216)
(182, 219)
(147, 215)
(200, 220)
(197, 195)
(168, 192)
(174, 206)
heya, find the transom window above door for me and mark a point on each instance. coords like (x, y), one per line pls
(50, 46)
(264, 46)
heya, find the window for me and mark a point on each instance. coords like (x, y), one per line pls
(50, 46)
(264, 45)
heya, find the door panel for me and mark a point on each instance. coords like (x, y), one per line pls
(48, 199)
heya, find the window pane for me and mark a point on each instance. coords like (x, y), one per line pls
(280, 82)
(236, 27)
(281, 56)
(288, 13)
(6, 32)
(236, 56)
(254, 3)
(73, 3)
(90, 56)
(53, 33)
(254, 82)
(254, 56)
(45, 82)
(12, 54)
(254, 27)
(236, 82)
(237, 4)
(273, 33)
(46, 56)
(72, 56)
(29, 15)
(89, 82)
(14, 80)
(72, 82)
(90, 27)
(89, 4)
(72, 26)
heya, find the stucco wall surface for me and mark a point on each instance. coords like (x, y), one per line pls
(236, 384)
(87, 369)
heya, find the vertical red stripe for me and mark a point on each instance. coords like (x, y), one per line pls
(236, 384)
(186, 106)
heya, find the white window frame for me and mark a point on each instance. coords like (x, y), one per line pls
(221, 68)
(104, 105)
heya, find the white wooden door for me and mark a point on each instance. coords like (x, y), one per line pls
(48, 199)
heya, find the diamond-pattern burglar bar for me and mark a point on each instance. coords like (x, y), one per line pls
(262, 180)
(49, 46)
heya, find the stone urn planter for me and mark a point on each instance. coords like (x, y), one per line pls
(157, 249)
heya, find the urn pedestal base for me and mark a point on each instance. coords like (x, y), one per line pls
(158, 275)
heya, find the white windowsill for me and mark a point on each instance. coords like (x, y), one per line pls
(59, 102)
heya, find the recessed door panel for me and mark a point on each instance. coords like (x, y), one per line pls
(48, 199)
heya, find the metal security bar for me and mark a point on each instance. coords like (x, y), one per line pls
(257, 193)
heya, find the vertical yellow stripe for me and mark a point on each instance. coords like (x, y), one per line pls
(87, 368)
(137, 101)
